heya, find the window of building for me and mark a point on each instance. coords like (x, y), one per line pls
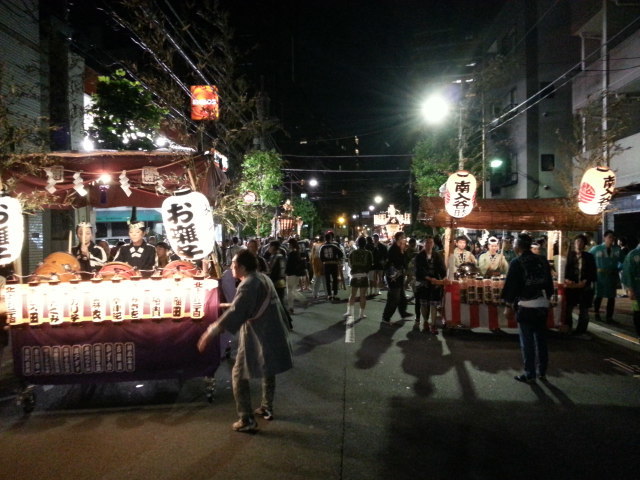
(547, 162)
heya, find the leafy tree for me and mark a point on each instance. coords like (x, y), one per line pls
(434, 159)
(124, 114)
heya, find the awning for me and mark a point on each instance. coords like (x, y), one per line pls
(511, 214)
(174, 169)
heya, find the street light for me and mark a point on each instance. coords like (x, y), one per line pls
(435, 109)
(377, 199)
(313, 182)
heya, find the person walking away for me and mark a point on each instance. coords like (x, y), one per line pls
(256, 315)
(579, 277)
(277, 264)
(410, 279)
(527, 289)
(331, 256)
(318, 270)
(379, 252)
(361, 262)
(631, 279)
(429, 266)
(608, 257)
(295, 269)
(395, 275)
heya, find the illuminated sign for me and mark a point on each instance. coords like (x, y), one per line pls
(204, 102)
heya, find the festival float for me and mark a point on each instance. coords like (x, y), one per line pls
(471, 301)
(116, 324)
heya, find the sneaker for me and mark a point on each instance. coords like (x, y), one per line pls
(433, 330)
(386, 320)
(245, 425)
(542, 378)
(582, 336)
(524, 379)
(264, 412)
(406, 315)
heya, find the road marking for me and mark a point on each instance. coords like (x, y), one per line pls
(349, 330)
(626, 337)
(632, 369)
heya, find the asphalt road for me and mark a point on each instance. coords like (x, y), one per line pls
(395, 403)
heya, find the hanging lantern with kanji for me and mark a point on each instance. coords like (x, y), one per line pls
(11, 229)
(596, 189)
(460, 194)
(188, 221)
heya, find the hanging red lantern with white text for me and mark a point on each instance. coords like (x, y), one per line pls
(460, 194)
(11, 229)
(188, 221)
(596, 190)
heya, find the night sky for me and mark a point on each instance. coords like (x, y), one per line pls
(334, 70)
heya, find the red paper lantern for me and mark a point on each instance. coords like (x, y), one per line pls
(596, 189)
(460, 194)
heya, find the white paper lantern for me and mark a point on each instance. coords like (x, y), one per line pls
(188, 221)
(460, 194)
(11, 229)
(596, 189)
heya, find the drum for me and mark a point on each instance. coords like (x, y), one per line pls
(180, 267)
(111, 269)
(61, 264)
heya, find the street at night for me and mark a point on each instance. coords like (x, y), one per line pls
(395, 403)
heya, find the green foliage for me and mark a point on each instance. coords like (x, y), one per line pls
(262, 174)
(304, 208)
(434, 159)
(125, 116)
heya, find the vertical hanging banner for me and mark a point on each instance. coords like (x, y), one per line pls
(188, 221)
(11, 229)
(460, 194)
(204, 102)
(596, 189)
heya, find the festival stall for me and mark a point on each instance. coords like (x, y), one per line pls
(472, 301)
(116, 325)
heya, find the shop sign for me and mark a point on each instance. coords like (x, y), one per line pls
(204, 102)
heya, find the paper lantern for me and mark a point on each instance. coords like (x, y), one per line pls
(11, 229)
(460, 194)
(188, 222)
(596, 190)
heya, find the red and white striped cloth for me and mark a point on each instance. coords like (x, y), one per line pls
(490, 316)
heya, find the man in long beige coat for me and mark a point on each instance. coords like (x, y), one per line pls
(257, 315)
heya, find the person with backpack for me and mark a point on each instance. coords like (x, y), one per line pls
(527, 290)
(361, 262)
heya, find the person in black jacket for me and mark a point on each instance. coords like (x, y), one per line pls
(527, 289)
(395, 273)
(580, 274)
(429, 266)
(331, 256)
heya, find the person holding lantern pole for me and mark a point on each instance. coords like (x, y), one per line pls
(90, 256)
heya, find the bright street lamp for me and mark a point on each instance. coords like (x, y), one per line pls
(496, 163)
(377, 199)
(371, 208)
(435, 109)
(313, 182)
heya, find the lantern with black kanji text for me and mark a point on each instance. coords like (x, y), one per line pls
(11, 229)
(596, 189)
(188, 221)
(460, 194)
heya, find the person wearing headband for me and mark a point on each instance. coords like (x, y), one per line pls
(90, 256)
(491, 263)
(138, 253)
(459, 256)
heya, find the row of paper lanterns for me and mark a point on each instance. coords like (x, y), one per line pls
(187, 217)
(596, 189)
